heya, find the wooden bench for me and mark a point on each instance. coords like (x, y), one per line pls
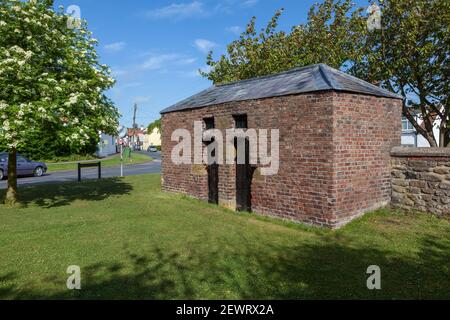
(90, 165)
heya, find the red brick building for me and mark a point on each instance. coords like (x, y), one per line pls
(335, 137)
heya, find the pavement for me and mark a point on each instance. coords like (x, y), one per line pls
(92, 173)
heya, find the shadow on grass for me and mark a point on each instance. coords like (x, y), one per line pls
(63, 194)
(308, 271)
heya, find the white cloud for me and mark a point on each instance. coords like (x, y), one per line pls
(161, 61)
(141, 99)
(250, 3)
(206, 69)
(237, 30)
(198, 9)
(195, 73)
(158, 61)
(204, 45)
(186, 61)
(118, 72)
(115, 47)
(179, 11)
(132, 85)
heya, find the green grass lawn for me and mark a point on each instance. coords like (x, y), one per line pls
(108, 162)
(133, 241)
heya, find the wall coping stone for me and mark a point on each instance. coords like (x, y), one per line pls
(420, 152)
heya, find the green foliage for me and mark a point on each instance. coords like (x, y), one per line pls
(43, 145)
(409, 56)
(333, 35)
(51, 81)
(154, 125)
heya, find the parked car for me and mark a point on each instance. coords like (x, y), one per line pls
(152, 149)
(25, 167)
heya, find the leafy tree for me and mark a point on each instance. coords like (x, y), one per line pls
(42, 145)
(410, 56)
(50, 80)
(333, 34)
(154, 125)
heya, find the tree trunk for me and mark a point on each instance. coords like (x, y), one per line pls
(444, 136)
(431, 140)
(11, 193)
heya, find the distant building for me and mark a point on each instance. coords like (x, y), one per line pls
(152, 139)
(136, 138)
(107, 145)
(410, 136)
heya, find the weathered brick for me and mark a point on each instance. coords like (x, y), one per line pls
(418, 184)
(432, 177)
(334, 155)
(441, 170)
(400, 182)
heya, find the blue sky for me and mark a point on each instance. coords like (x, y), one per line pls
(155, 47)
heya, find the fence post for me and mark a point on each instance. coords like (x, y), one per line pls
(99, 170)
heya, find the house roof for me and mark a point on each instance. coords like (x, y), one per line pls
(318, 77)
(134, 131)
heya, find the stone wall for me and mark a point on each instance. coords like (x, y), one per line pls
(421, 180)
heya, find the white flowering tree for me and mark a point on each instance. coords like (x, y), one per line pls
(50, 79)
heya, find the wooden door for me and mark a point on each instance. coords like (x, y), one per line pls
(244, 175)
(213, 183)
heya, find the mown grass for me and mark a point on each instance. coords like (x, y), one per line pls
(133, 241)
(108, 162)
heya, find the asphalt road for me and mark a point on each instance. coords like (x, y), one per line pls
(92, 173)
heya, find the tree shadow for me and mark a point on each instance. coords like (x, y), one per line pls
(63, 194)
(326, 270)
(154, 276)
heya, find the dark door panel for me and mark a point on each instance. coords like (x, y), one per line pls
(213, 183)
(213, 175)
(244, 176)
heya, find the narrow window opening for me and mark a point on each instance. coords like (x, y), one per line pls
(209, 123)
(240, 121)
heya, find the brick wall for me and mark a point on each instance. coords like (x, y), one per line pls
(365, 129)
(334, 155)
(421, 180)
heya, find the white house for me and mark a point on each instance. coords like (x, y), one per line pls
(411, 138)
(107, 145)
(152, 139)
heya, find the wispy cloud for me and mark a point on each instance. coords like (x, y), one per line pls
(249, 3)
(179, 11)
(141, 99)
(237, 30)
(204, 45)
(198, 9)
(130, 85)
(115, 47)
(118, 71)
(162, 61)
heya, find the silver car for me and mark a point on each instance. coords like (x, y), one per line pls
(25, 167)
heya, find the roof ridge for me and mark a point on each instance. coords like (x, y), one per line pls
(325, 76)
(273, 75)
(360, 81)
(316, 77)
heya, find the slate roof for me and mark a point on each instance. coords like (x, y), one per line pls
(318, 77)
